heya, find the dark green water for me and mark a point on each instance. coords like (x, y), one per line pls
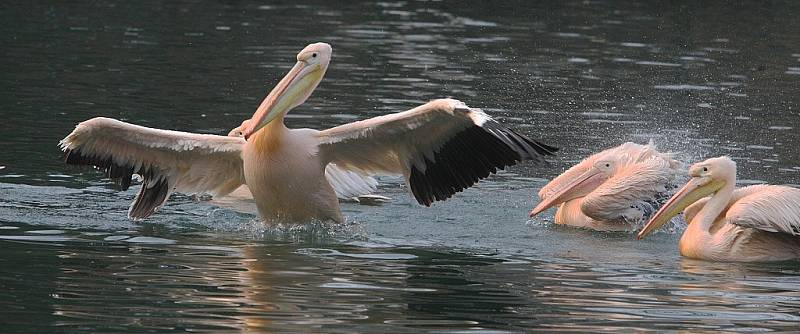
(698, 79)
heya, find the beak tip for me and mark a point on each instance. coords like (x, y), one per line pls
(538, 209)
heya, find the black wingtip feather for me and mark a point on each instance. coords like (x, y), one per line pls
(155, 188)
(120, 174)
(539, 147)
(150, 198)
(471, 155)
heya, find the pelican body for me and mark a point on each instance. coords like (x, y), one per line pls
(440, 147)
(750, 224)
(284, 186)
(609, 190)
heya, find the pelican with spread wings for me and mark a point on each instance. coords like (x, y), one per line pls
(610, 189)
(440, 147)
(753, 223)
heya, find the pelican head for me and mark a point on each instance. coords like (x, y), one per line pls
(708, 177)
(294, 88)
(239, 130)
(602, 169)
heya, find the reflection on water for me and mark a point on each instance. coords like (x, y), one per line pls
(700, 79)
(217, 284)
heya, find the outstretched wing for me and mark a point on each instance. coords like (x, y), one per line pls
(166, 160)
(441, 147)
(767, 208)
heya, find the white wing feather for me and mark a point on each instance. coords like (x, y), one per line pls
(625, 154)
(392, 143)
(167, 160)
(768, 208)
(441, 147)
(637, 182)
(177, 161)
(348, 183)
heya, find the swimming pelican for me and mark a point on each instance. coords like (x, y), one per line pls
(754, 223)
(609, 190)
(440, 147)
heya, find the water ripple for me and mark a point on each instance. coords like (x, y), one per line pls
(580, 75)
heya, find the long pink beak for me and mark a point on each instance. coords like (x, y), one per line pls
(580, 186)
(688, 194)
(265, 112)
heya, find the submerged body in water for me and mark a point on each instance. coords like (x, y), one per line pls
(610, 190)
(749, 224)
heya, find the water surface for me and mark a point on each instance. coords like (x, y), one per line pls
(698, 79)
